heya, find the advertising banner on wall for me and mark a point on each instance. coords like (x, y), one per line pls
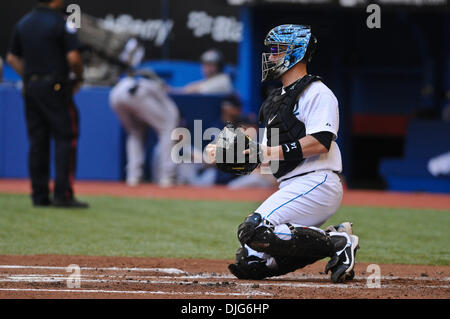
(348, 3)
(169, 29)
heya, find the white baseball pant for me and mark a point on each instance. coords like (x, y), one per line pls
(305, 201)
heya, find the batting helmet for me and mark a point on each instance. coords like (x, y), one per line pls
(292, 43)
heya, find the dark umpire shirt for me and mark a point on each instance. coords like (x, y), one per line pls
(42, 39)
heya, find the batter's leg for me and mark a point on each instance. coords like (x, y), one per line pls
(162, 115)
(135, 148)
(135, 145)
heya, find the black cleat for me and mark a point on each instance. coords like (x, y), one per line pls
(42, 203)
(342, 265)
(71, 203)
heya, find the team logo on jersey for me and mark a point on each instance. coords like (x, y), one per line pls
(270, 120)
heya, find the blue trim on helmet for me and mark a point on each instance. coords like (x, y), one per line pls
(296, 37)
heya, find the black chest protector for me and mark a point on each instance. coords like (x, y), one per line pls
(277, 112)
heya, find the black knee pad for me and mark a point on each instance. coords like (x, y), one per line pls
(246, 230)
(263, 237)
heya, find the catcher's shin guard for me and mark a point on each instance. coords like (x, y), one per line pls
(305, 242)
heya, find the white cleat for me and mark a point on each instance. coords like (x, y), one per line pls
(345, 227)
(166, 183)
(133, 182)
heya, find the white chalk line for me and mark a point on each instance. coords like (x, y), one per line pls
(218, 277)
(161, 279)
(35, 278)
(162, 270)
(176, 271)
(226, 276)
(252, 293)
(217, 284)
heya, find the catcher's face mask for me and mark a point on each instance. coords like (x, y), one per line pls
(287, 46)
(273, 62)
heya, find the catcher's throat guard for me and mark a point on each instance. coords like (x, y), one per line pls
(230, 146)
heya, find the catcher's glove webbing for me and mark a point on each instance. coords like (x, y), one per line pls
(231, 142)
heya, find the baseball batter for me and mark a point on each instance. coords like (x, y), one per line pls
(301, 122)
(141, 103)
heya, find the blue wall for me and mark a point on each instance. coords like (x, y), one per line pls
(13, 135)
(425, 139)
(101, 143)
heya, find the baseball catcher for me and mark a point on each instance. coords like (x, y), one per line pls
(301, 121)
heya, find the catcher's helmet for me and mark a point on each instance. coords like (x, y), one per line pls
(295, 41)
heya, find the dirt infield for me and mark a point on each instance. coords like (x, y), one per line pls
(351, 197)
(121, 277)
(46, 276)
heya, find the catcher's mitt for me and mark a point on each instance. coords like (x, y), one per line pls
(230, 144)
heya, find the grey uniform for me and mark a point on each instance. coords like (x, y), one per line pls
(139, 104)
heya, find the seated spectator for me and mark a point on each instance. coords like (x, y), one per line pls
(215, 81)
(207, 175)
(230, 111)
(204, 175)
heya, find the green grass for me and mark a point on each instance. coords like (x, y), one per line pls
(202, 229)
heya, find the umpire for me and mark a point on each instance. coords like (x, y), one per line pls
(45, 50)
